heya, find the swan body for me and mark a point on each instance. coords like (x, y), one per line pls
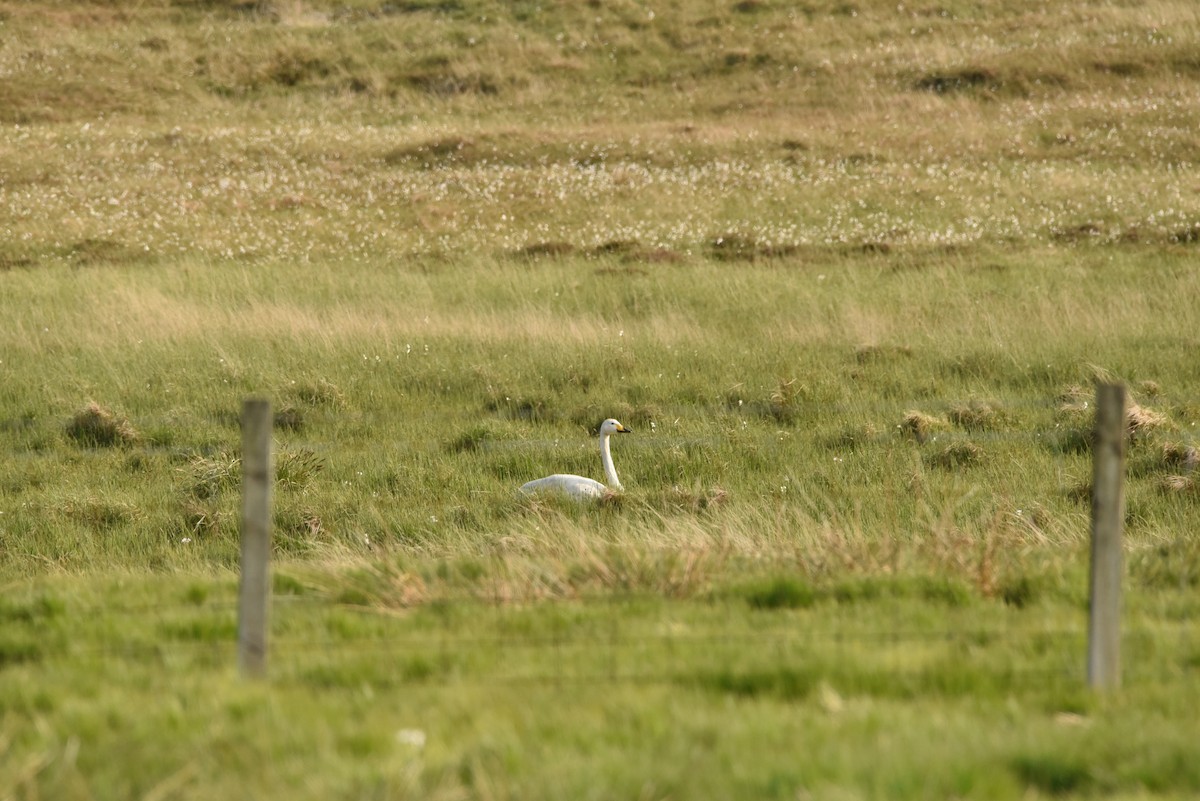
(580, 488)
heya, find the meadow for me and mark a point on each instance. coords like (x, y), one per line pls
(848, 270)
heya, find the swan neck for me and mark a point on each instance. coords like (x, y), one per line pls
(610, 472)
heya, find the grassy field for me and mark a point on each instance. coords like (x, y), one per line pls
(848, 270)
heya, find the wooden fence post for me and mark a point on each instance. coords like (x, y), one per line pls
(1108, 513)
(255, 588)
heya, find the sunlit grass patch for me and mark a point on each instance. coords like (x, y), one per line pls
(978, 415)
(955, 454)
(921, 426)
(97, 427)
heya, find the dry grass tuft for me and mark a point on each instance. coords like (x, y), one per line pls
(630, 251)
(977, 415)
(99, 514)
(787, 400)
(741, 247)
(100, 252)
(1140, 421)
(1074, 398)
(289, 418)
(1178, 485)
(945, 82)
(1186, 236)
(957, 454)
(205, 519)
(921, 426)
(697, 499)
(448, 149)
(321, 393)
(96, 427)
(208, 476)
(543, 250)
(1075, 408)
(1178, 455)
(1079, 491)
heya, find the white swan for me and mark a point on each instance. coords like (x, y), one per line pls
(577, 487)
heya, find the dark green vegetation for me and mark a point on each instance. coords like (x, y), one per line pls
(849, 270)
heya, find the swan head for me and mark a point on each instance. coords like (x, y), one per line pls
(611, 426)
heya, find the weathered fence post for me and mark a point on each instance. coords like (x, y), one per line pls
(1108, 512)
(255, 588)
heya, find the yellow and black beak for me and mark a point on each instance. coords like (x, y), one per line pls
(623, 430)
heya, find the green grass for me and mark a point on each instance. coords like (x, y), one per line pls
(905, 689)
(849, 271)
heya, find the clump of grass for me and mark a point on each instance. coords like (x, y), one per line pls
(448, 81)
(544, 250)
(921, 426)
(1179, 485)
(473, 439)
(1140, 421)
(1079, 491)
(780, 592)
(289, 418)
(788, 683)
(436, 151)
(1056, 775)
(656, 255)
(1180, 455)
(100, 515)
(1074, 399)
(1075, 408)
(533, 409)
(696, 499)
(95, 426)
(616, 247)
(631, 251)
(99, 252)
(963, 79)
(297, 528)
(1189, 235)
(786, 401)
(977, 415)
(321, 393)
(1073, 430)
(1019, 591)
(11, 260)
(742, 247)
(954, 455)
(294, 469)
(211, 475)
(853, 437)
(205, 518)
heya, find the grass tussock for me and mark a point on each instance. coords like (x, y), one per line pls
(95, 426)
(1141, 421)
(956, 455)
(978, 415)
(208, 476)
(921, 426)
(1180, 456)
(736, 247)
(542, 250)
(1179, 485)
